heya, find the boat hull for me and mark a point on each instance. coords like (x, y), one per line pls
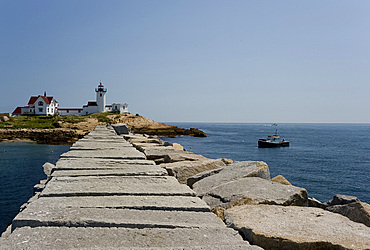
(266, 144)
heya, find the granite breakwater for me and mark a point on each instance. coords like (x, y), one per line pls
(104, 193)
(107, 192)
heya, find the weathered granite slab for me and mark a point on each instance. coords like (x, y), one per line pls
(124, 238)
(130, 170)
(113, 185)
(103, 140)
(182, 170)
(38, 216)
(228, 173)
(255, 190)
(165, 203)
(356, 211)
(183, 156)
(80, 145)
(89, 163)
(279, 227)
(145, 140)
(153, 153)
(120, 153)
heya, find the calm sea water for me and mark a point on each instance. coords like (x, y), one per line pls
(326, 159)
(20, 169)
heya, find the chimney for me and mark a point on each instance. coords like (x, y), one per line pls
(45, 93)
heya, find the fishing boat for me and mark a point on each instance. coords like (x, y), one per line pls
(273, 141)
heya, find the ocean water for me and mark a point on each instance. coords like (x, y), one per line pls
(326, 159)
(20, 169)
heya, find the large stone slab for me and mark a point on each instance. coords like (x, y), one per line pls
(279, 227)
(165, 203)
(356, 211)
(89, 163)
(113, 185)
(182, 170)
(255, 190)
(93, 145)
(38, 216)
(120, 153)
(124, 238)
(183, 156)
(231, 172)
(130, 170)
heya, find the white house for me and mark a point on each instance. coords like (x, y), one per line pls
(38, 105)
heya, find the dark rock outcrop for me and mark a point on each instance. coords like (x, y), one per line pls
(42, 136)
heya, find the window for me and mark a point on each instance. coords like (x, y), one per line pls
(41, 109)
(41, 103)
(67, 110)
(100, 94)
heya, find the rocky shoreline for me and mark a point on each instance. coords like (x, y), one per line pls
(41, 136)
(268, 212)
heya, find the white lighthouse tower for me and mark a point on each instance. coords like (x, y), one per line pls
(100, 97)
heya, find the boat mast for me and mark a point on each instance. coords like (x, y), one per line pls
(275, 124)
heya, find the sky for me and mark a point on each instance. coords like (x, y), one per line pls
(190, 60)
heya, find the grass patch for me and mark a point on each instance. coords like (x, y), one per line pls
(29, 122)
(42, 122)
(102, 117)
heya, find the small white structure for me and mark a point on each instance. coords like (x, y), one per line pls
(69, 111)
(97, 106)
(38, 105)
(121, 108)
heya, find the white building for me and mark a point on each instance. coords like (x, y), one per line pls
(97, 106)
(38, 105)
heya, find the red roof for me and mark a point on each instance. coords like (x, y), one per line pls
(47, 99)
(92, 104)
(100, 85)
(17, 111)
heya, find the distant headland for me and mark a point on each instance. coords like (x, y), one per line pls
(68, 129)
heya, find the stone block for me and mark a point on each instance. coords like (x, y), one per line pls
(35, 215)
(92, 164)
(281, 179)
(183, 156)
(115, 185)
(255, 190)
(341, 199)
(149, 202)
(119, 153)
(124, 238)
(182, 170)
(279, 227)
(121, 128)
(232, 172)
(356, 211)
(145, 170)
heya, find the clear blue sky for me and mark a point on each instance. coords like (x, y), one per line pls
(191, 60)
